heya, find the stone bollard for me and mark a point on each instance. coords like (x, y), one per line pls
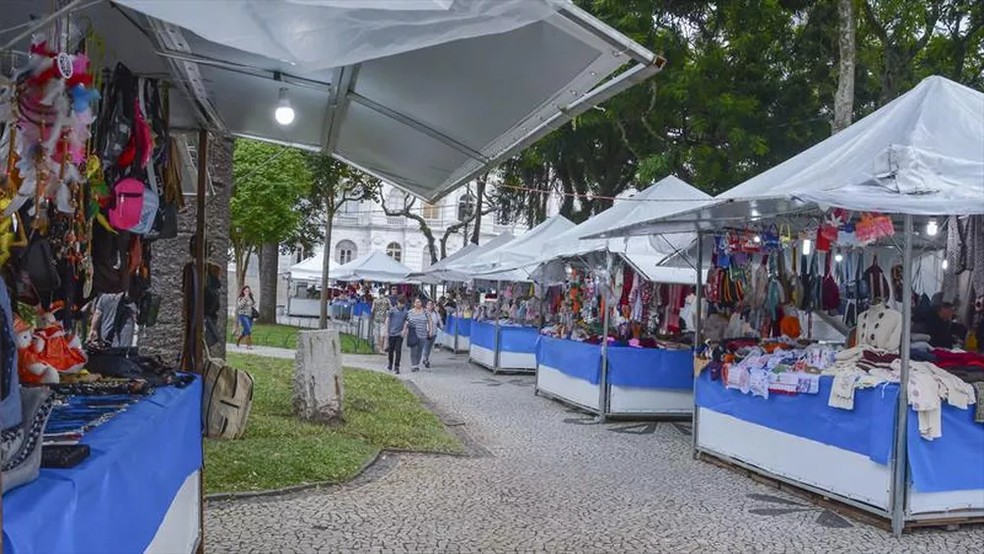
(318, 376)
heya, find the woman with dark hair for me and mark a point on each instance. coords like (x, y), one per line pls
(245, 306)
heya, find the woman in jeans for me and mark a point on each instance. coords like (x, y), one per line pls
(418, 320)
(435, 324)
(245, 305)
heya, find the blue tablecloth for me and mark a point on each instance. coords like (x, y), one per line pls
(952, 462)
(483, 334)
(115, 500)
(360, 309)
(519, 340)
(460, 326)
(577, 359)
(650, 368)
(866, 430)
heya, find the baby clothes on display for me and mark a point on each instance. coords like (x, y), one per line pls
(880, 327)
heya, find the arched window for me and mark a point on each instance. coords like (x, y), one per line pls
(431, 211)
(466, 207)
(395, 251)
(345, 251)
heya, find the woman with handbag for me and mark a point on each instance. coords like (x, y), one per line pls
(417, 330)
(245, 313)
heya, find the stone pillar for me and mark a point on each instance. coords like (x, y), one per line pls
(170, 256)
(318, 376)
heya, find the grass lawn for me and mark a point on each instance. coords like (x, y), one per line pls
(285, 336)
(279, 451)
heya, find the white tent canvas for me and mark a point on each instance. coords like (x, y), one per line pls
(425, 94)
(432, 275)
(523, 250)
(647, 254)
(375, 266)
(921, 154)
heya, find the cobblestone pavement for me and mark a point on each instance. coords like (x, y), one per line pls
(547, 480)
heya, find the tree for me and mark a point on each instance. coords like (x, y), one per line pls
(438, 248)
(334, 184)
(844, 99)
(268, 182)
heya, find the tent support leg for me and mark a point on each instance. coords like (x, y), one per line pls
(496, 343)
(698, 324)
(900, 466)
(603, 381)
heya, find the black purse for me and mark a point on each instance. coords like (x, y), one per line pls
(412, 338)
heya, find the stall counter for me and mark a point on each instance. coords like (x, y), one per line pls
(136, 492)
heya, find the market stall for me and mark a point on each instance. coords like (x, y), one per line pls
(504, 333)
(894, 409)
(645, 369)
(374, 269)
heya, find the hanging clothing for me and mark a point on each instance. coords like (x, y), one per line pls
(880, 327)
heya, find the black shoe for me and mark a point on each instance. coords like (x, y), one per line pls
(427, 365)
(390, 369)
(396, 371)
(414, 369)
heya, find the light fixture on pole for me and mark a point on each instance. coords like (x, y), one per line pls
(932, 227)
(807, 247)
(838, 257)
(284, 114)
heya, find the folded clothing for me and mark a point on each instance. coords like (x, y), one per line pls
(949, 358)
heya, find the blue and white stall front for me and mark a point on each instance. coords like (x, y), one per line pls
(503, 347)
(636, 381)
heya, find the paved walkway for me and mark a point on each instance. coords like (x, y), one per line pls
(548, 480)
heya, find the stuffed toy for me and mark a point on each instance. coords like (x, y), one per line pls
(58, 348)
(31, 369)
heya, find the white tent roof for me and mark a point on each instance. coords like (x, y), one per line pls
(646, 254)
(921, 154)
(431, 275)
(523, 250)
(425, 94)
(375, 266)
(456, 270)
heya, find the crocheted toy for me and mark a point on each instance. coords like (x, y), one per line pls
(31, 368)
(58, 348)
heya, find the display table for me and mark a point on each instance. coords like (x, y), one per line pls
(650, 381)
(137, 492)
(798, 439)
(504, 347)
(460, 329)
(641, 381)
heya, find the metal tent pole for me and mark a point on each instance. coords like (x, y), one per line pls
(698, 324)
(603, 380)
(496, 340)
(900, 466)
(199, 324)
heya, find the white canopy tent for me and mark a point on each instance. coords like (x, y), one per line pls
(425, 94)
(456, 270)
(648, 255)
(374, 266)
(431, 275)
(921, 154)
(517, 259)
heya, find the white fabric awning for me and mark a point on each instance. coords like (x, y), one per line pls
(921, 154)
(424, 94)
(375, 266)
(521, 251)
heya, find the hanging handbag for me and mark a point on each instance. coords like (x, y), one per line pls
(829, 292)
(412, 338)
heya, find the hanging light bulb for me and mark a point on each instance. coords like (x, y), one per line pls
(838, 257)
(757, 239)
(284, 113)
(946, 264)
(932, 227)
(807, 247)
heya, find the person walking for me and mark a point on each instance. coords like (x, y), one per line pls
(245, 306)
(418, 331)
(380, 310)
(435, 324)
(396, 322)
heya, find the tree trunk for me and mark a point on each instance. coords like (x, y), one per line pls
(318, 376)
(479, 197)
(269, 262)
(844, 98)
(170, 256)
(325, 266)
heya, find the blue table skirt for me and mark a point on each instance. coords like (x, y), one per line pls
(115, 500)
(952, 462)
(483, 334)
(650, 368)
(519, 340)
(577, 359)
(361, 308)
(459, 325)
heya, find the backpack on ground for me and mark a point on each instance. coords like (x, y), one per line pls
(227, 400)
